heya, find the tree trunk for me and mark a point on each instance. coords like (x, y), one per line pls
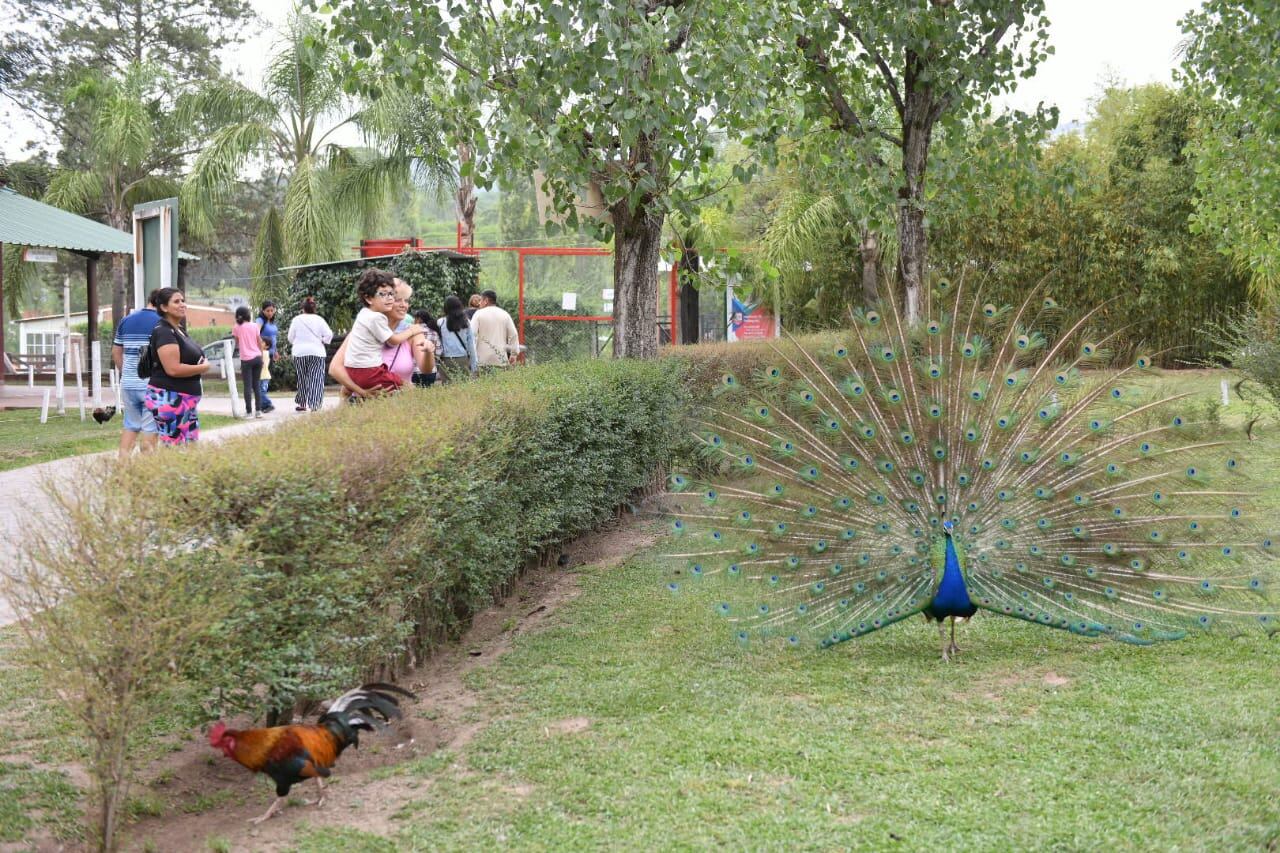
(113, 790)
(869, 248)
(690, 320)
(636, 244)
(119, 276)
(466, 200)
(913, 247)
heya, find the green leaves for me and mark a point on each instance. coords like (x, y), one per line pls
(1233, 62)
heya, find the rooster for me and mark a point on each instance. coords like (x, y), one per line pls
(292, 754)
(102, 414)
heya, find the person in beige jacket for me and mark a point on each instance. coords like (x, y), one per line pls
(497, 343)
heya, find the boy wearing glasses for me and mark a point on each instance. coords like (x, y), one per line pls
(371, 331)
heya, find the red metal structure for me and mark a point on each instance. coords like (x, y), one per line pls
(385, 246)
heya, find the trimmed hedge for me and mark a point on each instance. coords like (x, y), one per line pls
(378, 530)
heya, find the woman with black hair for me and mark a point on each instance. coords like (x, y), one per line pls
(173, 388)
(458, 344)
(308, 335)
(423, 317)
(249, 339)
(270, 333)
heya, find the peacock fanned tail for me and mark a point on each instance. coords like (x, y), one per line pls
(1072, 496)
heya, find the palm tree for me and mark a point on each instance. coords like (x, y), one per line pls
(330, 188)
(132, 153)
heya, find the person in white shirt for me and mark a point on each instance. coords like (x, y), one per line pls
(308, 334)
(497, 343)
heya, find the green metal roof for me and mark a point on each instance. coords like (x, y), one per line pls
(28, 222)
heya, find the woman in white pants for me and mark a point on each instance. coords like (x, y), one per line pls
(308, 333)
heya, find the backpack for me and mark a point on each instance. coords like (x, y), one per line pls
(146, 361)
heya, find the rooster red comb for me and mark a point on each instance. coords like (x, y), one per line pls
(216, 732)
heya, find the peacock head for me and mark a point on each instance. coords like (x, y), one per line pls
(947, 525)
(221, 738)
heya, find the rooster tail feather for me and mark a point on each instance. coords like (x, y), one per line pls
(368, 701)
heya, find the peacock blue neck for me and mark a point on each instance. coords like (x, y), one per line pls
(951, 598)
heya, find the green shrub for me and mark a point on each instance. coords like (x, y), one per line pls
(112, 601)
(1248, 342)
(375, 531)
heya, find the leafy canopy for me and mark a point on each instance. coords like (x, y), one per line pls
(1233, 60)
(631, 97)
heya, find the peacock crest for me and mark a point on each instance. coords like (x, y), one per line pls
(986, 458)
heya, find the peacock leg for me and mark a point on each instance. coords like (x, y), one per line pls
(954, 649)
(275, 807)
(942, 635)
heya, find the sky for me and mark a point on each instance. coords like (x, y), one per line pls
(1132, 41)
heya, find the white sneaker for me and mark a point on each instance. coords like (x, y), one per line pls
(257, 414)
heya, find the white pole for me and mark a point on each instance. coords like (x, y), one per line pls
(115, 387)
(95, 376)
(44, 408)
(59, 362)
(75, 357)
(231, 379)
(1226, 399)
(31, 376)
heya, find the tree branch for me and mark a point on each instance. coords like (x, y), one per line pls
(982, 53)
(885, 72)
(847, 119)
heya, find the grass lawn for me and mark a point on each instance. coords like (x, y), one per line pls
(636, 722)
(26, 441)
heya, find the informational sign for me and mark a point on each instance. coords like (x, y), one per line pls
(748, 322)
(569, 301)
(40, 256)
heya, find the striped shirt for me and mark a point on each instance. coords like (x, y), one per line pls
(133, 333)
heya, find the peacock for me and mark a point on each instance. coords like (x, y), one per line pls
(987, 457)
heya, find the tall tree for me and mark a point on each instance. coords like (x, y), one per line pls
(330, 187)
(621, 96)
(936, 63)
(1233, 60)
(62, 39)
(133, 154)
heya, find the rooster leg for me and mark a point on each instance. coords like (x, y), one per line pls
(275, 807)
(942, 635)
(319, 801)
(953, 648)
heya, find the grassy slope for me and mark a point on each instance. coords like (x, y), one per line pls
(1036, 738)
(26, 441)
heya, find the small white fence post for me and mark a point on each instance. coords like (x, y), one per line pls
(231, 379)
(59, 367)
(75, 359)
(95, 368)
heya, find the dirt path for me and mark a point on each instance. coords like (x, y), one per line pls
(205, 796)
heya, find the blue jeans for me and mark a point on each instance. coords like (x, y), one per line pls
(137, 417)
(264, 403)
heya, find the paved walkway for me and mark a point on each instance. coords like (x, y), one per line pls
(22, 497)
